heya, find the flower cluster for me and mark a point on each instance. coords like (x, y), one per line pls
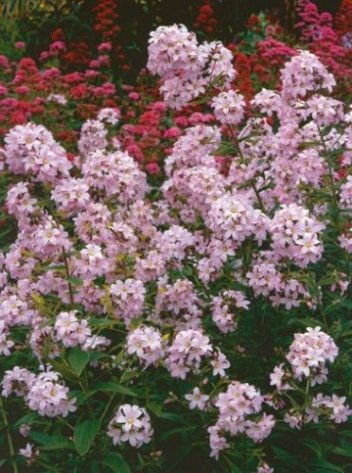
(186, 67)
(31, 148)
(42, 393)
(295, 235)
(187, 352)
(184, 287)
(225, 308)
(128, 298)
(239, 407)
(229, 107)
(147, 344)
(70, 331)
(309, 353)
(206, 19)
(130, 424)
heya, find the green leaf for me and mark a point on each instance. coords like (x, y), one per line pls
(65, 370)
(50, 442)
(326, 467)
(180, 430)
(110, 386)
(75, 281)
(172, 417)
(231, 464)
(314, 446)
(27, 419)
(84, 435)
(116, 463)
(156, 409)
(78, 360)
(345, 449)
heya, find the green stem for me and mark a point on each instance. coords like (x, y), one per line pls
(67, 271)
(260, 200)
(306, 397)
(86, 390)
(9, 438)
(294, 403)
(107, 407)
(318, 301)
(252, 182)
(331, 171)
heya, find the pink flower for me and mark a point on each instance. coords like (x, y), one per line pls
(152, 168)
(229, 107)
(133, 96)
(197, 400)
(104, 47)
(130, 424)
(20, 45)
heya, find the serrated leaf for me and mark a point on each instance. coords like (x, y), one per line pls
(78, 360)
(116, 463)
(84, 435)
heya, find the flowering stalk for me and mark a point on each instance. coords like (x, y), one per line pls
(8, 435)
(68, 276)
(252, 182)
(331, 173)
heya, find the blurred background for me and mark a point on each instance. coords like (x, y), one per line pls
(127, 23)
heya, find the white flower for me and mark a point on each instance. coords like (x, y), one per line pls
(130, 424)
(197, 399)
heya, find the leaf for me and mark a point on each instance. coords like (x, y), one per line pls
(345, 449)
(27, 419)
(75, 281)
(116, 463)
(78, 360)
(326, 467)
(285, 456)
(110, 386)
(65, 370)
(84, 435)
(50, 442)
(156, 409)
(179, 430)
(314, 446)
(234, 468)
(172, 417)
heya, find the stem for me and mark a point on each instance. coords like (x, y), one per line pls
(260, 200)
(67, 270)
(331, 171)
(114, 395)
(306, 394)
(86, 390)
(318, 301)
(252, 182)
(9, 438)
(107, 407)
(294, 403)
